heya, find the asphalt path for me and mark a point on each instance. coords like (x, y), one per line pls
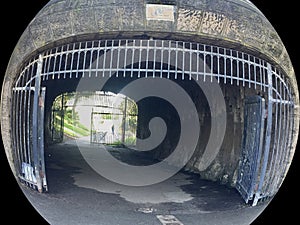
(79, 195)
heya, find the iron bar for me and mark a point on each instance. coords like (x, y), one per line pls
(35, 134)
(267, 138)
(41, 138)
(161, 59)
(125, 58)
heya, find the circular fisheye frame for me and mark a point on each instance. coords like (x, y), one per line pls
(150, 112)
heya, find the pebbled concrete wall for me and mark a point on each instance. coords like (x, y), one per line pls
(231, 23)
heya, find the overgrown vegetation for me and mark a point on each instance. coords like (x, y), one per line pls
(71, 124)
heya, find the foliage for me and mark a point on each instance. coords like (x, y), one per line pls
(72, 125)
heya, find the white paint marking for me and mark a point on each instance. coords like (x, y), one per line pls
(146, 210)
(169, 220)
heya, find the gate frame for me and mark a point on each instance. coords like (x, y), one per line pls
(251, 71)
(33, 169)
(249, 192)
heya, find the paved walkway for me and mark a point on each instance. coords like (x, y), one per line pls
(78, 195)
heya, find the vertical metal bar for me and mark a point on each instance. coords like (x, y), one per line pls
(92, 126)
(41, 138)
(291, 119)
(255, 74)
(176, 60)
(132, 59)
(154, 59)
(91, 59)
(43, 70)
(25, 111)
(78, 60)
(261, 74)
(54, 64)
(198, 56)
(111, 59)
(28, 125)
(267, 137)
(211, 64)
(238, 70)
(249, 72)
(13, 122)
(66, 61)
(125, 58)
(169, 60)
(183, 62)
(59, 66)
(283, 160)
(290, 134)
(275, 146)
(98, 56)
(261, 146)
(124, 120)
(84, 60)
(62, 116)
(17, 132)
(204, 63)
(49, 62)
(231, 64)
(118, 58)
(20, 124)
(30, 114)
(140, 59)
(147, 58)
(225, 66)
(35, 135)
(264, 78)
(279, 153)
(162, 59)
(104, 59)
(52, 123)
(218, 64)
(282, 131)
(72, 60)
(243, 63)
(191, 60)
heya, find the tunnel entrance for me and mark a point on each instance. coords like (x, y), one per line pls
(103, 117)
(102, 66)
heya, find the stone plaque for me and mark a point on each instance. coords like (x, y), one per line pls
(160, 12)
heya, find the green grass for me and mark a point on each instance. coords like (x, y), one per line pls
(74, 130)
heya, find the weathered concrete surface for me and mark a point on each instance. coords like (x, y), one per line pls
(224, 167)
(232, 23)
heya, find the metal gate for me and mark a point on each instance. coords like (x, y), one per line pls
(57, 120)
(264, 165)
(254, 118)
(153, 58)
(28, 127)
(114, 124)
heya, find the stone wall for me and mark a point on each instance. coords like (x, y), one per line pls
(225, 165)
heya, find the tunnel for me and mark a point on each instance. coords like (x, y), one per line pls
(204, 87)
